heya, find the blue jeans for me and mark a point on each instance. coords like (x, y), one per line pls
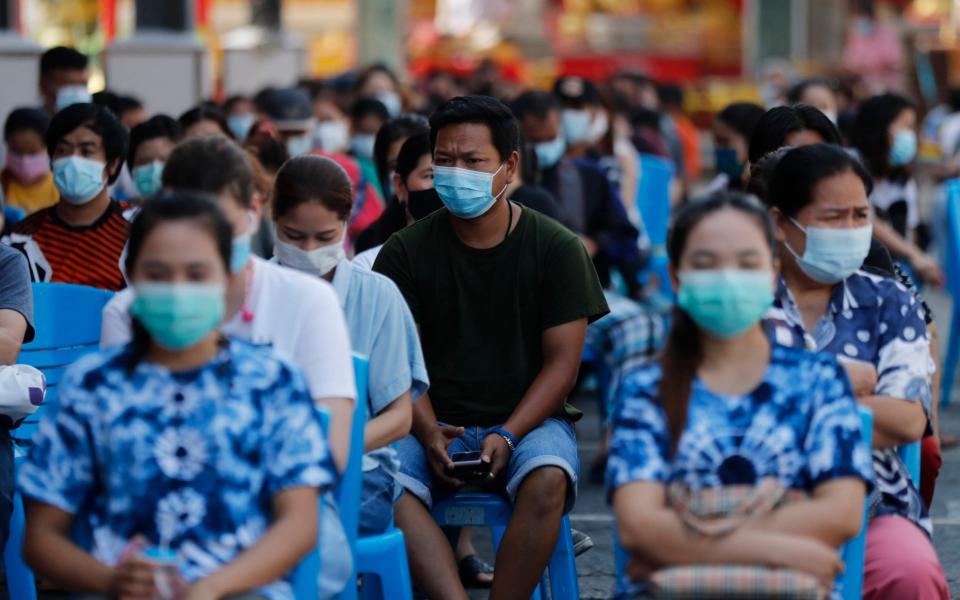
(380, 492)
(553, 444)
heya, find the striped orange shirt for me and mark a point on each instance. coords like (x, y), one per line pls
(88, 255)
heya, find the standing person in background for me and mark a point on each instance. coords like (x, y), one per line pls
(583, 116)
(819, 93)
(81, 239)
(874, 50)
(885, 136)
(387, 144)
(63, 78)
(26, 179)
(671, 99)
(290, 111)
(732, 129)
(332, 132)
(151, 142)
(367, 116)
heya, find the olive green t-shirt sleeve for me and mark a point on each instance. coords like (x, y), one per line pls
(392, 261)
(572, 289)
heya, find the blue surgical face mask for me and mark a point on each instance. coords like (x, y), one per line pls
(79, 180)
(727, 302)
(240, 124)
(727, 163)
(832, 255)
(576, 125)
(361, 144)
(178, 315)
(904, 148)
(392, 101)
(300, 145)
(467, 194)
(550, 153)
(148, 178)
(69, 95)
(240, 248)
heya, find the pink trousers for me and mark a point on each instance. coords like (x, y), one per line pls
(901, 563)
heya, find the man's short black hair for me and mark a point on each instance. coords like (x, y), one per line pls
(61, 57)
(482, 110)
(98, 120)
(365, 107)
(536, 104)
(127, 104)
(22, 119)
(157, 126)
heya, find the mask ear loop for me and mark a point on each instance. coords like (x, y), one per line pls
(505, 185)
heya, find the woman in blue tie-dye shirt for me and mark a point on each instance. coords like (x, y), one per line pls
(725, 408)
(209, 449)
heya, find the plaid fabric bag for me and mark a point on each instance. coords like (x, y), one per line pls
(717, 512)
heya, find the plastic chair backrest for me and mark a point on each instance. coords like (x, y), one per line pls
(851, 581)
(347, 493)
(653, 197)
(910, 455)
(68, 319)
(953, 249)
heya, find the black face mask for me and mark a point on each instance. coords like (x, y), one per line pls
(423, 202)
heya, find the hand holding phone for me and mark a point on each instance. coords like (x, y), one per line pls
(469, 468)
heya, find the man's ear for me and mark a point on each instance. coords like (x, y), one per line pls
(513, 163)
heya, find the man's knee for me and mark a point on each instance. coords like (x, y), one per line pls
(544, 490)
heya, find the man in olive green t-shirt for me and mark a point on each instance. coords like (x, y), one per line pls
(502, 296)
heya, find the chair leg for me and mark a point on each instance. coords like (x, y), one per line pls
(563, 566)
(953, 356)
(20, 582)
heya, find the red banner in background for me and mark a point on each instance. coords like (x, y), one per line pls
(673, 69)
(108, 20)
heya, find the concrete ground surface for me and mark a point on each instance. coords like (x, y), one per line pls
(592, 515)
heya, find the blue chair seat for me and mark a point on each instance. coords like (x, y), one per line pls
(493, 512)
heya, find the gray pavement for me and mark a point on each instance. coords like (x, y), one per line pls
(592, 515)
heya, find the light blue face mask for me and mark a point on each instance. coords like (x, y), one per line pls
(467, 194)
(148, 178)
(240, 250)
(576, 125)
(240, 124)
(79, 180)
(69, 95)
(392, 101)
(550, 153)
(832, 255)
(298, 146)
(727, 302)
(904, 148)
(178, 315)
(361, 144)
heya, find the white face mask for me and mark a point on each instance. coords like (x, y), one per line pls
(331, 136)
(318, 261)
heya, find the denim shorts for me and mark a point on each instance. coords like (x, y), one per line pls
(380, 492)
(553, 443)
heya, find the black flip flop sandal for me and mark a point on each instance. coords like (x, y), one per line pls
(470, 568)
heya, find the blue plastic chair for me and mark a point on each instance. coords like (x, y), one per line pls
(851, 581)
(910, 455)
(853, 552)
(653, 202)
(953, 286)
(68, 319)
(347, 493)
(20, 582)
(493, 512)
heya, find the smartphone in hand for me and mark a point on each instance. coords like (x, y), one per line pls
(468, 467)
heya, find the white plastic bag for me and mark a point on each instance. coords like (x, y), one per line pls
(22, 389)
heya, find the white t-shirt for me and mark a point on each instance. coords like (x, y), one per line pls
(365, 259)
(299, 316)
(886, 193)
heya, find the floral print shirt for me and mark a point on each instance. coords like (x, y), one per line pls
(876, 320)
(189, 460)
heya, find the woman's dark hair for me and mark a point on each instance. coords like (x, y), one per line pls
(403, 126)
(365, 107)
(761, 171)
(870, 134)
(312, 178)
(26, 119)
(157, 126)
(205, 113)
(791, 184)
(682, 353)
(410, 154)
(371, 70)
(98, 120)
(165, 208)
(211, 165)
(482, 110)
(742, 117)
(795, 93)
(62, 57)
(779, 123)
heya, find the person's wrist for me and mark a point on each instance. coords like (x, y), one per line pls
(510, 439)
